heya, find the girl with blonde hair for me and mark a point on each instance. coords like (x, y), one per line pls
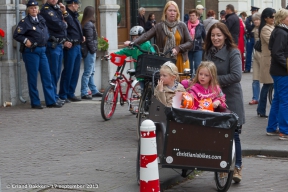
(205, 86)
(168, 84)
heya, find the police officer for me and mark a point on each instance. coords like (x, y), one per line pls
(33, 34)
(250, 39)
(53, 14)
(72, 56)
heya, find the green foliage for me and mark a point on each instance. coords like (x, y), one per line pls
(103, 44)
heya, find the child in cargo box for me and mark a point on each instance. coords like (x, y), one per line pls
(168, 84)
(204, 88)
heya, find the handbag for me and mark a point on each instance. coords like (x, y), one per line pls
(84, 49)
(257, 46)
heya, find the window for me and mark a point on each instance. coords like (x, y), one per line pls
(152, 3)
(121, 15)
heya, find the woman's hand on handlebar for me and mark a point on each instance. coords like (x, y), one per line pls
(174, 52)
(127, 43)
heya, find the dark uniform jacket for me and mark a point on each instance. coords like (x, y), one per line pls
(249, 27)
(54, 20)
(74, 30)
(35, 31)
(278, 45)
(232, 22)
(90, 33)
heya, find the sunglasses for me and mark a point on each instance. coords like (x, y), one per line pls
(272, 17)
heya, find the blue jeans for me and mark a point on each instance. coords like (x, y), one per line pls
(36, 61)
(88, 75)
(249, 51)
(238, 151)
(279, 108)
(255, 89)
(261, 109)
(195, 58)
(70, 73)
(55, 57)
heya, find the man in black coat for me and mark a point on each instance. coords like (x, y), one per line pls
(232, 22)
(250, 39)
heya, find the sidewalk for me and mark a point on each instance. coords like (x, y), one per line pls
(73, 145)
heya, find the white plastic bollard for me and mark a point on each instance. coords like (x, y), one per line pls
(149, 174)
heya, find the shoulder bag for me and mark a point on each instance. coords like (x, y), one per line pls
(257, 46)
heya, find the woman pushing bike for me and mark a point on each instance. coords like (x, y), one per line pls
(170, 33)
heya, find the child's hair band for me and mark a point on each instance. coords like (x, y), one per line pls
(169, 64)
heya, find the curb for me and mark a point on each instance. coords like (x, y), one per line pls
(274, 153)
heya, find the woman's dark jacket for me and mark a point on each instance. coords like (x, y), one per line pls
(200, 34)
(141, 20)
(89, 31)
(278, 45)
(148, 24)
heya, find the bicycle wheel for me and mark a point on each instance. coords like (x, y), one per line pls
(135, 98)
(223, 180)
(270, 93)
(143, 111)
(109, 102)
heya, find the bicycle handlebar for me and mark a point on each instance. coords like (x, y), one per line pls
(132, 44)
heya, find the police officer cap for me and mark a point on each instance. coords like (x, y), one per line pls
(71, 1)
(254, 8)
(32, 3)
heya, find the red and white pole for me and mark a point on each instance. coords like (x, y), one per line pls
(149, 174)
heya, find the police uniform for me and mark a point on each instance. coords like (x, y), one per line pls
(57, 36)
(250, 40)
(72, 56)
(34, 29)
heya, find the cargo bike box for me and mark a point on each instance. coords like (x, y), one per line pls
(195, 140)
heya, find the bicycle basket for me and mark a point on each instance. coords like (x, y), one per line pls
(118, 59)
(148, 63)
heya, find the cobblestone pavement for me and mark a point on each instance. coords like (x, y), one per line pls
(259, 174)
(73, 145)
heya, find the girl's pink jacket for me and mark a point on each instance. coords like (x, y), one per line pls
(199, 92)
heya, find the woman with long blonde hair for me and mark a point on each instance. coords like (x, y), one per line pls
(170, 33)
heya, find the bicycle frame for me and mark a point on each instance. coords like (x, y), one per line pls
(119, 78)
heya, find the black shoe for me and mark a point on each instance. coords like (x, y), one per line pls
(62, 102)
(261, 115)
(86, 97)
(37, 107)
(246, 71)
(97, 94)
(55, 105)
(74, 99)
(66, 100)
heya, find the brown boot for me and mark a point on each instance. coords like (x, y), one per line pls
(237, 175)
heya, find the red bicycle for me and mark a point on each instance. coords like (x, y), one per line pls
(128, 89)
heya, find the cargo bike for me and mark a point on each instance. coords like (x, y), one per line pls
(188, 140)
